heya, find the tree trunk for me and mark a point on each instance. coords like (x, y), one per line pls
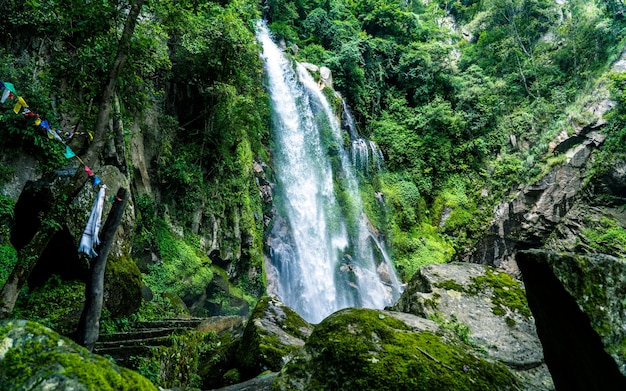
(89, 325)
(27, 259)
(104, 111)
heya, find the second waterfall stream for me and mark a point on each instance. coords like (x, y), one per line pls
(324, 253)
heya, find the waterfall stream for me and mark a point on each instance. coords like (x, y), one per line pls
(324, 252)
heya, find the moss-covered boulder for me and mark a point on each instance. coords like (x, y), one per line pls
(122, 286)
(33, 357)
(485, 307)
(272, 336)
(364, 349)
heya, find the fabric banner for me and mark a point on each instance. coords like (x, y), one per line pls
(68, 152)
(90, 236)
(5, 95)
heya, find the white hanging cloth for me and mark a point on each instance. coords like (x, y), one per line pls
(90, 236)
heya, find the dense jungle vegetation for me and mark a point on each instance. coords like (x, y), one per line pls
(463, 98)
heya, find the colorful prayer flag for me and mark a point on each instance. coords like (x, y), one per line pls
(18, 106)
(90, 236)
(88, 171)
(96, 181)
(68, 152)
(5, 95)
(52, 134)
(37, 121)
(10, 87)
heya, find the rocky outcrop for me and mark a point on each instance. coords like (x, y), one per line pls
(573, 195)
(363, 349)
(487, 308)
(578, 302)
(272, 336)
(33, 357)
(60, 257)
(537, 210)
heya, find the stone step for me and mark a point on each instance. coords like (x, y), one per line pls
(140, 334)
(188, 323)
(163, 340)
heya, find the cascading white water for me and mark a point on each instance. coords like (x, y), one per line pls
(324, 255)
(366, 156)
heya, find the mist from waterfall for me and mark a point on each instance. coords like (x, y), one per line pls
(324, 254)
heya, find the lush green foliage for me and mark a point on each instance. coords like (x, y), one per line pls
(607, 237)
(182, 268)
(176, 365)
(67, 296)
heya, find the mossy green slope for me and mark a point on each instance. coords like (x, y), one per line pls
(363, 349)
(34, 357)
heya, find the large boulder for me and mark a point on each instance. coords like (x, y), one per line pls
(80, 208)
(487, 307)
(578, 302)
(35, 358)
(364, 349)
(272, 336)
(122, 286)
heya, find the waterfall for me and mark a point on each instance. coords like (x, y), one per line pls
(366, 156)
(324, 254)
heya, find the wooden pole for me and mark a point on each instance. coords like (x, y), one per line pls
(89, 324)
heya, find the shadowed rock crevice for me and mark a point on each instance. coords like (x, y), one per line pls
(573, 350)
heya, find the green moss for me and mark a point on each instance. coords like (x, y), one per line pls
(236, 298)
(366, 350)
(453, 324)
(507, 292)
(450, 285)
(510, 322)
(33, 353)
(67, 296)
(123, 282)
(183, 269)
(607, 237)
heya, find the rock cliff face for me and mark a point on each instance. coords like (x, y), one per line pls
(488, 308)
(543, 213)
(556, 211)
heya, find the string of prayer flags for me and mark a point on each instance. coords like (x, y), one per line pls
(90, 235)
(68, 152)
(89, 238)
